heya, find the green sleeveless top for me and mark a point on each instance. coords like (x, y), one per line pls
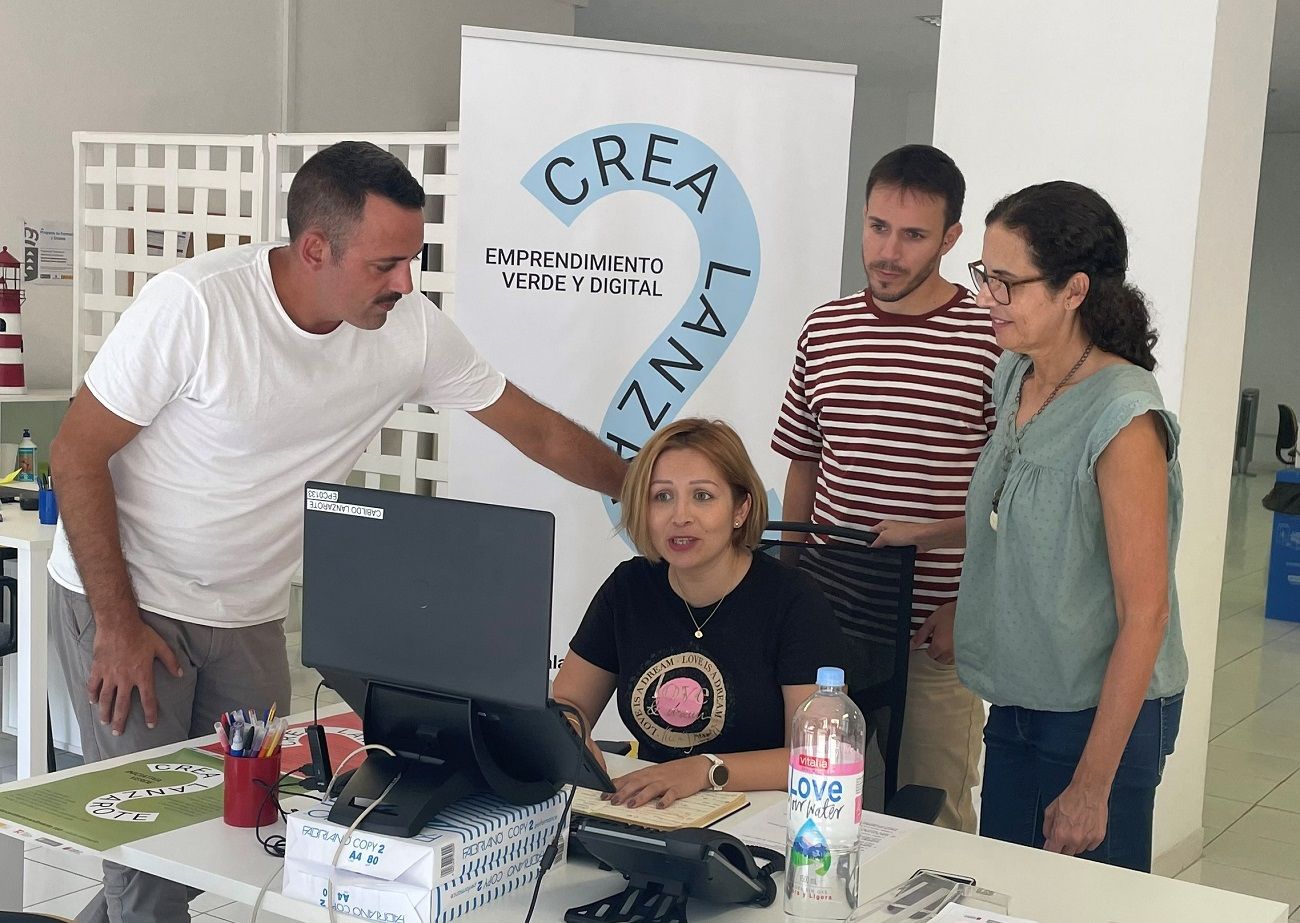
(1036, 617)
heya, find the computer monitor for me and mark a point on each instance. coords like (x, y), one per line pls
(431, 617)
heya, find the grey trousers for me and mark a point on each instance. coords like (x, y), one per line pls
(224, 668)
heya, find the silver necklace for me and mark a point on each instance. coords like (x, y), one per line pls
(699, 626)
(1018, 432)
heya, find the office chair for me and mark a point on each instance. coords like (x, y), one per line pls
(1286, 435)
(9, 645)
(870, 591)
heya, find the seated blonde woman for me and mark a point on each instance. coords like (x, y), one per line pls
(709, 646)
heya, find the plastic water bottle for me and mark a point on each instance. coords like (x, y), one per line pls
(827, 744)
(27, 458)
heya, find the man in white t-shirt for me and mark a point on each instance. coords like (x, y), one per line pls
(233, 379)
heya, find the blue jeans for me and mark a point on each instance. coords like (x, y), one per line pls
(1030, 757)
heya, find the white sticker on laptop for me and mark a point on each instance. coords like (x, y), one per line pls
(346, 509)
(315, 493)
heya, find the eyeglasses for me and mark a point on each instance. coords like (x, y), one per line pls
(1000, 289)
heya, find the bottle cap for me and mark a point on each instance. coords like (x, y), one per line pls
(830, 676)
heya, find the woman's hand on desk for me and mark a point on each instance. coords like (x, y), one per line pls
(123, 662)
(661, 784)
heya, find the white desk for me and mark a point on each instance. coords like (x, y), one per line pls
(1045, 887)
(21, 529)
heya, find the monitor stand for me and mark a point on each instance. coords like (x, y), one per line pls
(421, 791)
(442, 756)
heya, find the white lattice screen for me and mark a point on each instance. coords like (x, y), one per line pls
(199, 192)
(142, 203)
(409, 453)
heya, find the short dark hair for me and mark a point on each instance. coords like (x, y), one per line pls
(1070, 228)
(329, 190)
(925, 169)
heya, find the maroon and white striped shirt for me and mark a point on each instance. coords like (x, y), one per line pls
(895, 410)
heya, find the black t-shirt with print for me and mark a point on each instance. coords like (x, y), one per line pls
(720, 693)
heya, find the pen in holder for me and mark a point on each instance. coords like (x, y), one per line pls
(47, 504)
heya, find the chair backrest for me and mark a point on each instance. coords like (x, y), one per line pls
(870, 591)
(1286, 435)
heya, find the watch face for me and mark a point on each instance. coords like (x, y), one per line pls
(719, 774)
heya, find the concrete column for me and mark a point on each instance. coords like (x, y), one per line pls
(1160, 107)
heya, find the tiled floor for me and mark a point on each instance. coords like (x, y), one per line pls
(1252, 786)
(1252, 791)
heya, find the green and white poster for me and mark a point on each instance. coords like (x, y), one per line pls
(100, 810)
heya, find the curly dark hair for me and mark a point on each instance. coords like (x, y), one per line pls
(1070, 228)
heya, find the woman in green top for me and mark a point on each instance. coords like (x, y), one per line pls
(1067, 618)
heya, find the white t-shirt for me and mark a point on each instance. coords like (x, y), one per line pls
(240, 407)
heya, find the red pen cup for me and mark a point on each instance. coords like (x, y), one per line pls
(248, 781)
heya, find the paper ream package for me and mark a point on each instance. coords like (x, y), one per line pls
(381, 901)
(465, 832)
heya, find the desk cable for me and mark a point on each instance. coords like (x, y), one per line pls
(317, 773)
(275, 843)
(329, 789)
(343, 841)
(548, 857)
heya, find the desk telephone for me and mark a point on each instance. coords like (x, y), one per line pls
(664, 868)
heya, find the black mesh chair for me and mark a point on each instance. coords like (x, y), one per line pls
(870, 591)
(1286, 435)
(9, 645)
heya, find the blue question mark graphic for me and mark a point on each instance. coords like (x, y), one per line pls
(688, 173)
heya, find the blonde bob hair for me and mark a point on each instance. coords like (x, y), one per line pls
(717, 442)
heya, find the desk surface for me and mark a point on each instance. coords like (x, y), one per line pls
(22, 528)
(1043, 886)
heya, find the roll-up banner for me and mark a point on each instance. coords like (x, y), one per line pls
(643, 230)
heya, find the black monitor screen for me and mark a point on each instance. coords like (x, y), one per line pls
(429, 593)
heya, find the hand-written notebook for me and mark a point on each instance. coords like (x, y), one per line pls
(698, 810)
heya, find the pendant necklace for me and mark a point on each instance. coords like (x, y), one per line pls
(1018, 432)
(699, 626)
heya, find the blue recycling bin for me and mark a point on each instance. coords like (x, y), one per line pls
(1283, 600)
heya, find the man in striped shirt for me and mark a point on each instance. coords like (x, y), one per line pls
(888, 407)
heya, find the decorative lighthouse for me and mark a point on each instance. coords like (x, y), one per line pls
(12, 380)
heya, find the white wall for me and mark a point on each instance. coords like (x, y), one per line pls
(1164, 116)
(1273, 317)
(133, 65)
(130, 65)
(395, 65)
